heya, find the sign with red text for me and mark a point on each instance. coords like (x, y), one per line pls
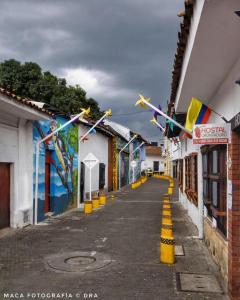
(207, 134)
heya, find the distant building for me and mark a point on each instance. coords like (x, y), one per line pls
(154, 159)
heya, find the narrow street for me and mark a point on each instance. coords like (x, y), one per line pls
(126, 236)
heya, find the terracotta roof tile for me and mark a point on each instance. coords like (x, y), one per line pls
(24, 101)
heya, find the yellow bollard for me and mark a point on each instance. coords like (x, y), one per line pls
(112, 197)
(133, 186)
(102, 199)
(171, 184)
(167, 250)
(166, 201)
(166, 213)
(167, 230)
(170, 191)
(166, 206)
(95, 203)
(167, 220)
(88, 207)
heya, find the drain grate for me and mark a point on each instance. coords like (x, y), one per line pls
(179, 250)
(202, 283)
(78, 261)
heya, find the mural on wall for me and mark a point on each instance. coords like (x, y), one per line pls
(115, 165)
(138, 156)
(124, 161)
(57, 166)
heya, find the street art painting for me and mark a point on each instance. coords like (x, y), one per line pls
(57, 166)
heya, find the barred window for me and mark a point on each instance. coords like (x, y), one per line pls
(215, 183)
(191, 180)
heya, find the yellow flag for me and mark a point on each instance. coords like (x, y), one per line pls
(192, 114)
(141, 102)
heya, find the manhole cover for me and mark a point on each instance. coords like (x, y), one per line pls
(179, 250)
(78, 261)
(203, 283)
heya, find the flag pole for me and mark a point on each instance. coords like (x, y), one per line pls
(143, 100)
(155, 122)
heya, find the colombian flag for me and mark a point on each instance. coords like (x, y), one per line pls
(198, 113)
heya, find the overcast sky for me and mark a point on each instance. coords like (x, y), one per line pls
(114, 49)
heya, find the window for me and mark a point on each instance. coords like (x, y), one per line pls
(191, 180)
(214, 183)
(180, 174)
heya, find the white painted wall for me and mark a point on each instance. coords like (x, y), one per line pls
(98, 145)
(148, 163)
(16, 147)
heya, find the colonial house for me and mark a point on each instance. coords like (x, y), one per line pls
(123, 135)
(206, 67)
(154, 159)
(17, 116)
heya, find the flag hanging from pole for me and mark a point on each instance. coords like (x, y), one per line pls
(198, 113)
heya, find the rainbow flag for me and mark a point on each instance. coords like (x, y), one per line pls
(198, 113)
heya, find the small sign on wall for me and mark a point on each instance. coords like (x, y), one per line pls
(207, 134)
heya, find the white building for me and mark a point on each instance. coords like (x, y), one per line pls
(154, 159)
(16, 158)
(206, 66)
(99, 143)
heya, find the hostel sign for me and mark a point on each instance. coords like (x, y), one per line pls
(212, 134)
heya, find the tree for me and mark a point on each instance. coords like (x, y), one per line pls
(28, 80)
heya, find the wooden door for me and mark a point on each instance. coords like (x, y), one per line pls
(4, 195)
(47, 181)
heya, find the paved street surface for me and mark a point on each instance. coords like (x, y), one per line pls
(127, 234)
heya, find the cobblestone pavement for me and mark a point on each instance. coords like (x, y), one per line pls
(126, 230)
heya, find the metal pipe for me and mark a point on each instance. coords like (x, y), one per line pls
(164, 115)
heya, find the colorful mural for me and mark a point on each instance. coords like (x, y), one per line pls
(115, 164)
(57, 166)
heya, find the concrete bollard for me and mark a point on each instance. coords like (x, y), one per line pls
(170, 191)
(166, 205)
(167, 220)
(166, 213)
(166, 201)
(88, 207)
(167, 230)
(167, 250)
(95, 203)
(102, 199)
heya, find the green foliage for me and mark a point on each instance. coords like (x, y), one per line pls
(28, 80)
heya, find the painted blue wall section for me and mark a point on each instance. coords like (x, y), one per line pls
(63, 149)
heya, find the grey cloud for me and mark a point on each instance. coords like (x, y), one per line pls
(133, 41)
